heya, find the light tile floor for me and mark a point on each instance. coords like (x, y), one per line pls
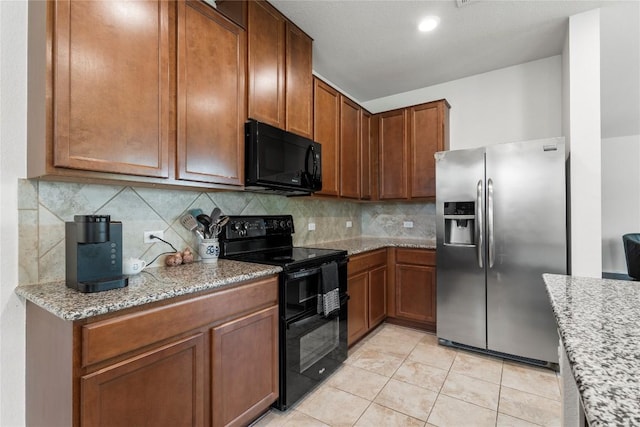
(401, 377)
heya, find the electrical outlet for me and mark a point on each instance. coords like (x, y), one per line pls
(312, 226)
(407, 224)
(349, 224)
(148, 239)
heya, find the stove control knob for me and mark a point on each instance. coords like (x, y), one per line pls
(236, 226)
(289, 223)
(282, 224)
(245, 226)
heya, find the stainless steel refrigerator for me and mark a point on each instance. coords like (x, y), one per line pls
(501, 223)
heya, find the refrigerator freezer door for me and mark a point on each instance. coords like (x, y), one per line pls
(526, 227)
(461, 293)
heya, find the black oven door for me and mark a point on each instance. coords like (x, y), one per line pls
(314, 347)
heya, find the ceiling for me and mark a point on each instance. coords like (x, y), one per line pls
(372, 49)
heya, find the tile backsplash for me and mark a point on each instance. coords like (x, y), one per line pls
(44, 206)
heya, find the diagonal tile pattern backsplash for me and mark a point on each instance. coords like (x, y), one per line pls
(44, 207)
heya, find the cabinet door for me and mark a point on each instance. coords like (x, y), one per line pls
(415, 292)
(377, 296)
(266, 32)
(349, 148)
(357, 324)
(244, 367)
(326, 131)
(393, 154)
(111, 85)
(164, 386)
(427, 136)
(211, 93)
(299, 82)
(366, 160)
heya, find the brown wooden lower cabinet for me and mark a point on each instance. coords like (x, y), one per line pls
(412, 291)
(245, 367)
(206, 359)
(161, 387)
(367, 287)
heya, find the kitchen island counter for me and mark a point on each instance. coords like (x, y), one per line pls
(598, 324)
(365, 244)
(153, 284)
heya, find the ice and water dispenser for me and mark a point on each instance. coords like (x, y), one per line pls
(459, 223)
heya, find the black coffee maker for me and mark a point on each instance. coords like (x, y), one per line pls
(94, 254)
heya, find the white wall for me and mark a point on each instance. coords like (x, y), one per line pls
(13, 112)
(620, 198)
(511, 104)
(584, 135)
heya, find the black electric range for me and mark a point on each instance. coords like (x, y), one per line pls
(313, 344)
(268, 240)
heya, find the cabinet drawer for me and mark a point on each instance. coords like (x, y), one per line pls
(111, 337)
(358, 263)
(416, 256)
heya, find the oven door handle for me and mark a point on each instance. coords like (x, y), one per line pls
(303, 273)
(308, 272)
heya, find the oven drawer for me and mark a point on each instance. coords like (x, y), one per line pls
(367, 261)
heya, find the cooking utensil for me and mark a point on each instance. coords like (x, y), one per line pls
(206, 223)
(200, 231)
(189, 222)
(216, 227)
(215, 214)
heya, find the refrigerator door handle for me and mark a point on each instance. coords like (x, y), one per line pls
(480, 225)
(492, 246)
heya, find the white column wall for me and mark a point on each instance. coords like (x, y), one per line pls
(620, 198)
(13, 140)
(584, 135)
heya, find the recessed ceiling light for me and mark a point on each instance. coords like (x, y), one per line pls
(428, 24)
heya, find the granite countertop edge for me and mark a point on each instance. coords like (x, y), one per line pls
(152, 285)
(161, 283)
(363, 244)
(597, 323)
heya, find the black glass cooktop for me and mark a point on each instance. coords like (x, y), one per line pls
(292, 256)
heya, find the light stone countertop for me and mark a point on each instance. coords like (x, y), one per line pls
(153, 284)
(160, 283)
(599, 324)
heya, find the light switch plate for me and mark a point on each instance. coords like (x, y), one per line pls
(349, 224)
(312, 226)
(407, 224)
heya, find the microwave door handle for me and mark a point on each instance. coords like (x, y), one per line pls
(311, 150)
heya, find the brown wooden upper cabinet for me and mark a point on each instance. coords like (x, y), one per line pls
(366, 155)
(408, 139)
(350, 155)
(344, 130)
(326, 117)
(210, 94)
(145, 91)
(111, 87)
(394, 155)
(428, 134)
(280, 63)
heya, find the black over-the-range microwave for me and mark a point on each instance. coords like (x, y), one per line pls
(281, 162)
